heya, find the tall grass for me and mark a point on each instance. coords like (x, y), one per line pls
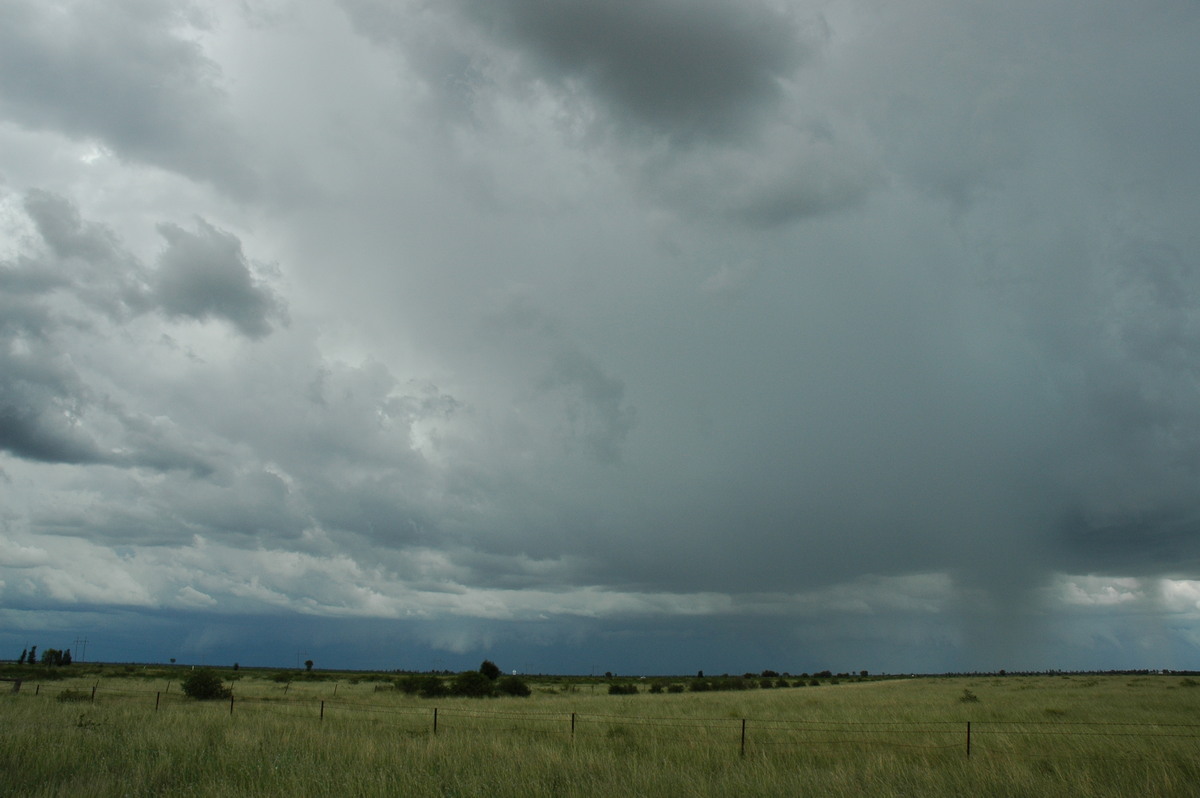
(1043, 736)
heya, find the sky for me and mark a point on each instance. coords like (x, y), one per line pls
(643, 336)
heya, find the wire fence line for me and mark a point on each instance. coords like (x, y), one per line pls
(1003, 738)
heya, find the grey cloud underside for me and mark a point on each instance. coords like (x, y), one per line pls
(83, 281)
(119, 73)
(204, 275)
(704, 69)
(692, 101)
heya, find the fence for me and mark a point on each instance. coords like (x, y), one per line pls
(963, 738)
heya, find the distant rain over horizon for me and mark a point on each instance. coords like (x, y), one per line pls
(594, 335)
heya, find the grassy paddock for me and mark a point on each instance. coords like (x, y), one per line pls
(1044, 736)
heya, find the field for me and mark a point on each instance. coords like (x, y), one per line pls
(131, 733)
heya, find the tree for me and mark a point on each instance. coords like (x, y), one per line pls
(490, 670)
(308, 663)
(24, 654)
(205, 685)
(66, 657)
(32, 658)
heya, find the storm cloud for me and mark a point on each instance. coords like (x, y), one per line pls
(644, 336)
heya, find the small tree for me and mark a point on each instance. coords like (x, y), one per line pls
(308, 663)
(24, 654)
(489, 669)
(205, 685)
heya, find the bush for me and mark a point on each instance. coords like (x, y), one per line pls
(622, 689)
(205, 685)
(490, 670)
(427, 685)
(513, 685)
(472, 684)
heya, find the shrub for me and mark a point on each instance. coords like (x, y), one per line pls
(427, 686)
(674, 688)
(514, 686)
(968, 697)
(622, 689)
(205, 685)
(490, 669)
(472, 684)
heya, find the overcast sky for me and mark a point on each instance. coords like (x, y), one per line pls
(635, 335)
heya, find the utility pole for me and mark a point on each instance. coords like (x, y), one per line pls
(82, 651)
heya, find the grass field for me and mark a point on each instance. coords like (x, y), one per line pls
(1036, 736)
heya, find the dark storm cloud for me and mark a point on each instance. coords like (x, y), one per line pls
(683, 69)
(927, 425)
(692, 101)
(84, 280)
(89, 260)
(35, 425)
(121, 73)
(204, 275)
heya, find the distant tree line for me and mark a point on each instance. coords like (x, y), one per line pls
(485, 682)
(51, 656)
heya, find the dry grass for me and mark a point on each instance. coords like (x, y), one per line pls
(1044, 736)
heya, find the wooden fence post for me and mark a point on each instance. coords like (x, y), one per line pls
(157, 698)
(230, 705)
(743, 749)
(968, 739)
(572, 725)
(435, 720)
(322, 710)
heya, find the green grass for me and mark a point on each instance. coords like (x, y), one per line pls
(1036, 736)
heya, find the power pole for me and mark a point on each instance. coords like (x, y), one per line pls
(82, 651)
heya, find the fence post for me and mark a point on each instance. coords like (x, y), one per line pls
(743, 749)
(322, 710)
(37, 688)
(230, 705)
(572, 725)
(93, 693)
(435, 720)
(157, 698)
(968, 739)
